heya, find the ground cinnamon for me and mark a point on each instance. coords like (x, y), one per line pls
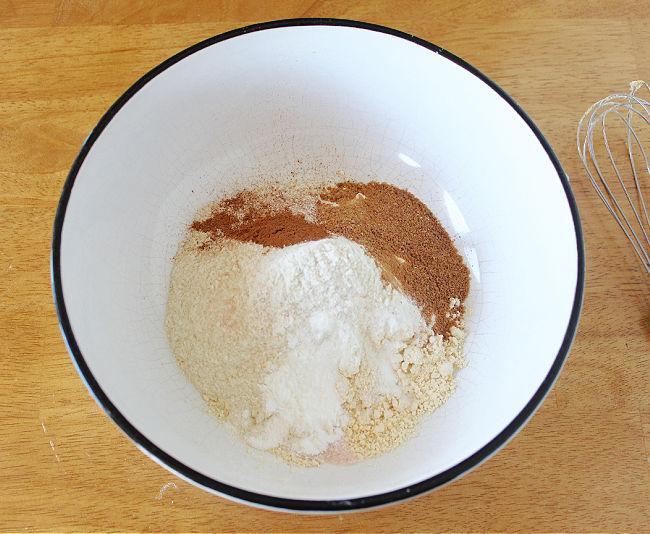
(250, 219)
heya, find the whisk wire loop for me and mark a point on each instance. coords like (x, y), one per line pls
(624, 107)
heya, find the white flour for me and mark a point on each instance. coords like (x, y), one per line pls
(274, 338)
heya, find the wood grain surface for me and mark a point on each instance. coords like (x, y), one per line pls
(581, 463)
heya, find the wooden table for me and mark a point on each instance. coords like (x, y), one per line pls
(581, 463)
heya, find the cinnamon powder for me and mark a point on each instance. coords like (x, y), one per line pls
(250, 219)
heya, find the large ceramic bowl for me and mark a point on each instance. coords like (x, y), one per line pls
(316, 97)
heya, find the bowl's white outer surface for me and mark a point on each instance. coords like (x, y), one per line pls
(316, 98)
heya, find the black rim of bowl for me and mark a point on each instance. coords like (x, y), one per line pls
(298, 504)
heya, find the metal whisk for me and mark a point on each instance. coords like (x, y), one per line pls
(630, 213)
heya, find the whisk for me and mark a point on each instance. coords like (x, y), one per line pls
(625, 203)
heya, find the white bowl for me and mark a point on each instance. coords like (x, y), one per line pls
(316, 97)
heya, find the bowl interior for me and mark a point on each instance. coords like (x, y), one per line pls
(314, 101)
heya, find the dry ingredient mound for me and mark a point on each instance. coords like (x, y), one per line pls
(321, 321)
(404, 237)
